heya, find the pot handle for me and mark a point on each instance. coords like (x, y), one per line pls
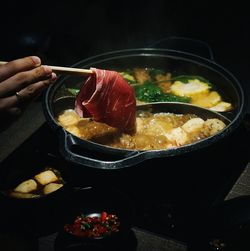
(185, 44)
(67, 142)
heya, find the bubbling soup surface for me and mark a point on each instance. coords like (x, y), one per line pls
(154, 131)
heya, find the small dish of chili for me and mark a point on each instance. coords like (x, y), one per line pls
(95, 225)
(96, 219)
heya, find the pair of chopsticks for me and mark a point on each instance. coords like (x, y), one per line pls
(66, 70)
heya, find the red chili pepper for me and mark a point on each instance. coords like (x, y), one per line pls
(103, 216)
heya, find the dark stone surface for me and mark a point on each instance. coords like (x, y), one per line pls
(146, 241)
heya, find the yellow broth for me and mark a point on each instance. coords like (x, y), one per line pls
(153, 131)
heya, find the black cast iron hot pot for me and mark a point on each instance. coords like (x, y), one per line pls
(97, 156)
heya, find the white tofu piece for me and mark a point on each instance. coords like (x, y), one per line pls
(26, 186)
(177, 136)
(193, 125)
(221, 107)
(51, 187)
(68, 118)
(46, 177)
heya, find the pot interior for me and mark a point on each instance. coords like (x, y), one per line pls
(178, 64)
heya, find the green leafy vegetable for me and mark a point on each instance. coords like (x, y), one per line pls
(128, 76)
(73, 91)
(149, 92)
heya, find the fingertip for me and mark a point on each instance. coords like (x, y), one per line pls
(53, 77)
(36, 60)
(47, 70)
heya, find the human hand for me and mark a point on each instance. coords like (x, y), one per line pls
(21, 80)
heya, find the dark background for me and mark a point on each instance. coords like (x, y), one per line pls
(64, 32)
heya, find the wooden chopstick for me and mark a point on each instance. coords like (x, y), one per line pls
(66, 70)
(71, 70)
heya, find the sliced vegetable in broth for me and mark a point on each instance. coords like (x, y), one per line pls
(154, 85)
(157, 85)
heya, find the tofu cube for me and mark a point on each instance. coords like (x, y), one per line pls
(26, 186)
(51, 187)
(46, 177)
